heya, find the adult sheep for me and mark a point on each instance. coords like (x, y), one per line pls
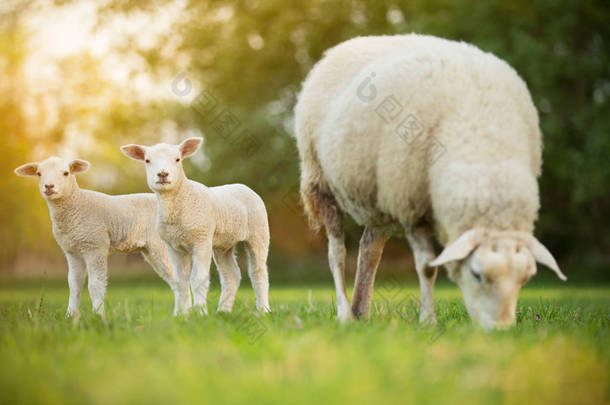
(418, 134)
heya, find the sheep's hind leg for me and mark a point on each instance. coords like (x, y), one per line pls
(97, 271)
(257, 270)
(200, 275)
(158, 258)
(369, 255)
(230, 277)
(76, 277)
(156, 255)
(423, 252)
(332, 218)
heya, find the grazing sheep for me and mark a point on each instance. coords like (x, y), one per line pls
(414, 133)
(198, 222)
(88, 226)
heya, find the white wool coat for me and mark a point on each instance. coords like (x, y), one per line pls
(473, 108)
(88, 220)
(227, 214)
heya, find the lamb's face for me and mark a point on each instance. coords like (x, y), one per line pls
(164, 170)
(55, 176)
(490, 268)
(163, 167)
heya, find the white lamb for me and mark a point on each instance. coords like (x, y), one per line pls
(414, 133)
(88, 226)
(197, 222)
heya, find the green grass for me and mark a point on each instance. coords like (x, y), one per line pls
(558, 353)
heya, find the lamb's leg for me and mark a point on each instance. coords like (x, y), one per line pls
(423, 252)
(76, 278)
(158, 258)
(369, 255)
(257, 270)
(97, 271)
(229, 278)
(181, 270)
(200, 275)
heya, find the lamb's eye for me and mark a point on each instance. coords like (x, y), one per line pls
(177, 160)
(476, 275)
(38, 174)
(66, 173)
(147, 160)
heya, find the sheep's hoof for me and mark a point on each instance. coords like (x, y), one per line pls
(428, 319)
(264, 309)
(345, 315)
(73, 314)
(199, 310)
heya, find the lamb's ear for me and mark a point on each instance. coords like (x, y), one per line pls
(26, 170)
(135, 152)
(543, 256)
(79, 166)
(189, 146)
(460, 248)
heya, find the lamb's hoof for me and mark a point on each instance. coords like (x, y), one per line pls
(428, 320)
(264, 309)
(74, 315)
(199, 310)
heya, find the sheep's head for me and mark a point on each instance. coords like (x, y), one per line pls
(163, 162)
(490, 267)
(55, 175)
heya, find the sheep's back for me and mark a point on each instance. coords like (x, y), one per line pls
(446, 96)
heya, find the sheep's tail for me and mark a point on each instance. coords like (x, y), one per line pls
(316, 196)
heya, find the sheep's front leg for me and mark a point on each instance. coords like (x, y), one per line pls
(76, 278)
(200, 275)
(182, 270)
(97, 271)
(423, 252)
(369, 255)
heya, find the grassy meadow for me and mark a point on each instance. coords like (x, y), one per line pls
(559, 353)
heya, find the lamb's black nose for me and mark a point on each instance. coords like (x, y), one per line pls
(163, 175)
(49, 186)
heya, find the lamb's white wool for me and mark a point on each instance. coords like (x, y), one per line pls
(412, 132)
(88, 226)
(198, 222)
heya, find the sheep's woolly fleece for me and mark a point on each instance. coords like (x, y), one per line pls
(89, 225)
(197, 222)
(400, 128)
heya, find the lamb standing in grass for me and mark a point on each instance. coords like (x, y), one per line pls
(88, 226)
(414, 132)
(197, 222)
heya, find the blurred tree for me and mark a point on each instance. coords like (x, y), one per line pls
(21, 215)
(232, 71)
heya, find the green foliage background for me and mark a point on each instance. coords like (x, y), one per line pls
(560, 48)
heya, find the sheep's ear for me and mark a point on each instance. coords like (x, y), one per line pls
(135, 152)
(190, 145)
(28, 169)
(79, 166)
(543, 256)
(460, 248)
